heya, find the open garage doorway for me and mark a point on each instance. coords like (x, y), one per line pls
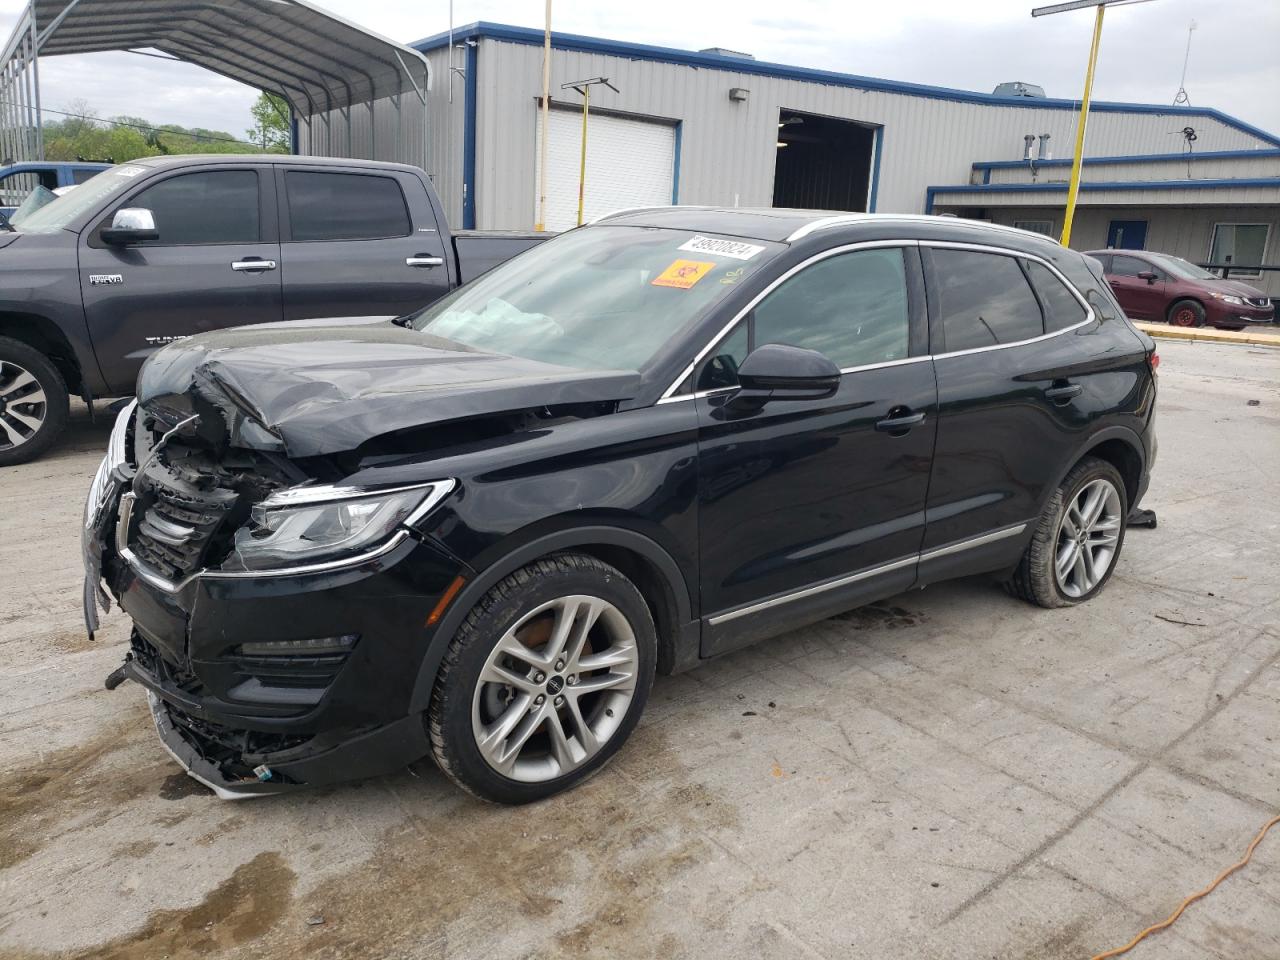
(823, 163)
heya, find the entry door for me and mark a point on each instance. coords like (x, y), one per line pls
(358, 244)
(214, 265)
(1139, 285)
(809, 507)
(1008, 400)
(1127, 235)
(630, 163)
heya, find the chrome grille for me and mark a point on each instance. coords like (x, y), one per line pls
(1258, 301)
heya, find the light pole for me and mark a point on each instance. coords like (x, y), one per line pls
(1073, 189)
(584, 88)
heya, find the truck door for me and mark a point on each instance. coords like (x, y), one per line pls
(215, 264)
(359, 243)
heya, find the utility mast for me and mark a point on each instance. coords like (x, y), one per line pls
(1181, 98)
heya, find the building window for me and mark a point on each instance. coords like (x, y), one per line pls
(1242, 243)
(1036, 226)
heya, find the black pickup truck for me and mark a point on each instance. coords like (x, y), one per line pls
(159, 249)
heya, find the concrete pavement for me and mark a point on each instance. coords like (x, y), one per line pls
(951, 774)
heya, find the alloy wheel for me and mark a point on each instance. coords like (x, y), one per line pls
(555, 688)
(1087, 538)
(23, 405)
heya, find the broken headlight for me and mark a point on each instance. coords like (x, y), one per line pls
(309, 525)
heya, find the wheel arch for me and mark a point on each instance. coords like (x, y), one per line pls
(642, 560)
(1118, 446)
(42, 334)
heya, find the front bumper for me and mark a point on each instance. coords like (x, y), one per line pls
(1233, 315)
(249, 725)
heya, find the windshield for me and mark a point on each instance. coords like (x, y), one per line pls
(58, 214)
(37, 198)
(1181, 268)
(597, 298)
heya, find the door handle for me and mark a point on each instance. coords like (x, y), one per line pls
(252, 265)
(424, 261)
(899, 425)
(1063, 392)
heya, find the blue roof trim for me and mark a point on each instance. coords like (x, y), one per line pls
(643, 51)
(1090, 186)
(1139, 158)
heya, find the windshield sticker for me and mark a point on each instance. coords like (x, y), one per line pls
(732, 276)
(683, 274)
(129, 171)
(723, 248)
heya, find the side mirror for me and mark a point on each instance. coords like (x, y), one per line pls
(131, 225)
(776, 371)
(1148, 276)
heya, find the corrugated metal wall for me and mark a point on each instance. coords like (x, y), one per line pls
(1182, 231)
(430, 139)
(727, 150)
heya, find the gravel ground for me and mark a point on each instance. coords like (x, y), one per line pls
(950, 774)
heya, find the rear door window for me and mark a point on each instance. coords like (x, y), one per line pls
(1061, 308)
(345, 206)
(983, 300)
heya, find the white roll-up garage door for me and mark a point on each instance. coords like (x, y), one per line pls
(630, 163)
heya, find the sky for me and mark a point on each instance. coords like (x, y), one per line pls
(1234, 66)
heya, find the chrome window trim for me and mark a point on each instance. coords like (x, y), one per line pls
(669, 393)
(817, 588)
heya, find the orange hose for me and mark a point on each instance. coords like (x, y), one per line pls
(1248, 855)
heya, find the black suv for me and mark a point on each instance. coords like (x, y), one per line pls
(477, 531)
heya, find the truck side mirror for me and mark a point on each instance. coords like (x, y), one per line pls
(131, 225)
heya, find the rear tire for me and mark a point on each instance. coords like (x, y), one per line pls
(544, 681)
(33, 402)
(1072, 534)
(1186, 313)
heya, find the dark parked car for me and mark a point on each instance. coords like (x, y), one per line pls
(478, 532)
(161, 248)
(1163, 288)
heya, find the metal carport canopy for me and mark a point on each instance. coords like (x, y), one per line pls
(315, 60)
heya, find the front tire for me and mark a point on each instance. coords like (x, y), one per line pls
(33, 402)
(1186, 313)
(1077, 539)
(544, 681)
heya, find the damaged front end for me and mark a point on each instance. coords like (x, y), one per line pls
(260, 601)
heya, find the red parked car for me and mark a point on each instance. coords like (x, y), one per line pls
(1156, 286)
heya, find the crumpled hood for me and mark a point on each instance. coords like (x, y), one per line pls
(326, 386)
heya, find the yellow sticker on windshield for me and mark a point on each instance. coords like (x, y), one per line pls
(683, 274)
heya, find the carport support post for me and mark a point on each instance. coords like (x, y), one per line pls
(1074, 189)
(35, 77)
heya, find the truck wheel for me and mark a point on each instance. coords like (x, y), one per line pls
(1077, 539)
(1186, 313)
(33, 402)
(544, 681)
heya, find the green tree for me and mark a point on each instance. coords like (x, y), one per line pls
(270, 130)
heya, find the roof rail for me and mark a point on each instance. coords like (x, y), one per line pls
(844, 219)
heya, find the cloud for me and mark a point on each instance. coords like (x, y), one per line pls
(972, 46)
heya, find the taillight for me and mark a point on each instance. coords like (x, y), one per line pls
(1154, 360)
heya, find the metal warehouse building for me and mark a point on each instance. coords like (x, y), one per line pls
(709, 127)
